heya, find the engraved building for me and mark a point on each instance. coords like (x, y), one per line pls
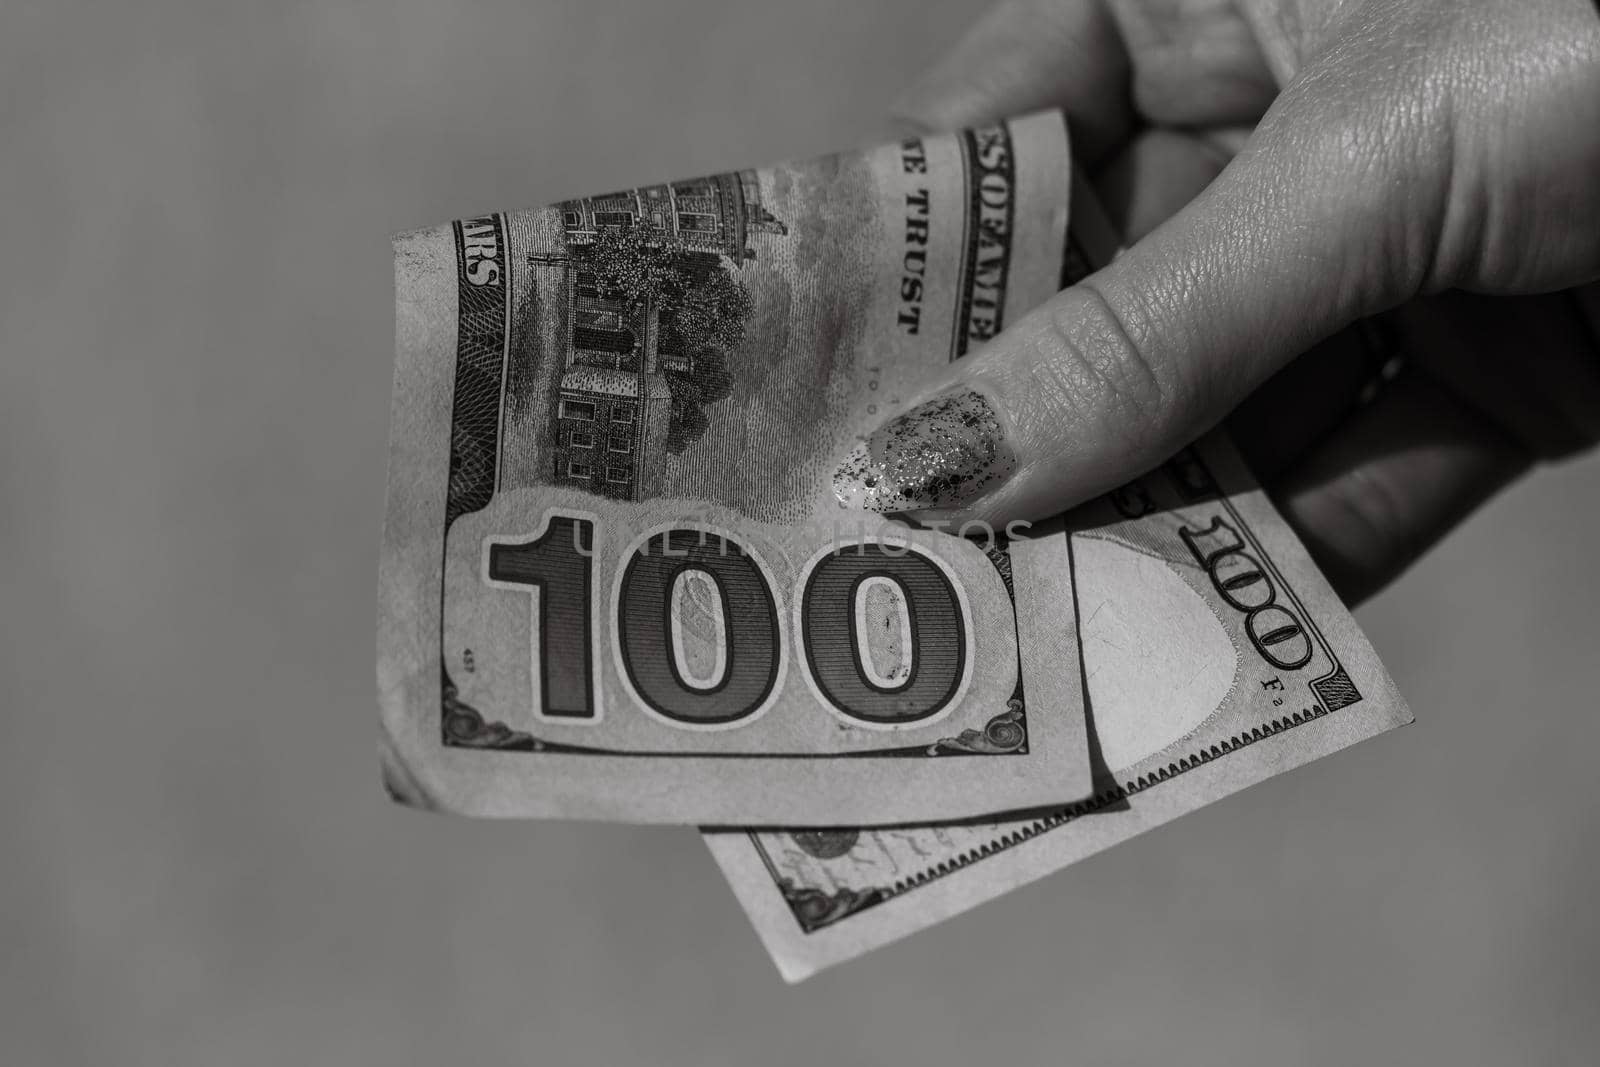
(715, 214)
(614, 404)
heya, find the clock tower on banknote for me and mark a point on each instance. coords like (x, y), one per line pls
(629, 356)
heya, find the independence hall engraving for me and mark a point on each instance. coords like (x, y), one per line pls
(613, 407)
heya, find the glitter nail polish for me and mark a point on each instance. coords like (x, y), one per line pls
(946, 452)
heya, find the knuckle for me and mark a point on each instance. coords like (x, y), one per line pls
(1091, 367)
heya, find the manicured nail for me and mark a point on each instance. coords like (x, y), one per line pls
(944, 453)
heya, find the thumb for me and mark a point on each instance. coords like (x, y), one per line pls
(1313, 225)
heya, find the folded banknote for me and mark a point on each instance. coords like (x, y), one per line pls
(616, 583)
(1215, 656)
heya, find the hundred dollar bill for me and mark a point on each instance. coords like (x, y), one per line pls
(1215, 657)
(615, 583)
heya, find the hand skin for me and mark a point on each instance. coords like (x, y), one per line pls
(1427, 170)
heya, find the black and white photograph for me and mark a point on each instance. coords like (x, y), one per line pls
(682, 533)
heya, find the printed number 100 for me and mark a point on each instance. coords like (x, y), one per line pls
(831, 632)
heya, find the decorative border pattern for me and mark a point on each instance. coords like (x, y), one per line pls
(814, 909)
(1006, 732)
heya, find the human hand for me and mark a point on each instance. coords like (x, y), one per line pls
(1420, 154)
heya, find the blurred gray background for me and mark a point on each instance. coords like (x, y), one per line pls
(199, 865)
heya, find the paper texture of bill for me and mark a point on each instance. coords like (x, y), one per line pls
(1215, 657)
(615, 584)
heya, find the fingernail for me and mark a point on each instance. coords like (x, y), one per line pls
(946, 452)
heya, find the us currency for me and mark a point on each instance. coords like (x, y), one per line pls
(615, 584)
(1215, 656)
